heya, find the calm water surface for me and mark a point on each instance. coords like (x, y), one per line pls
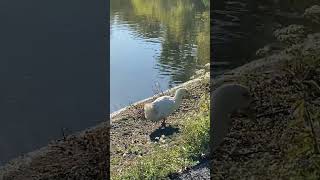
(155, 45)
(52, 71)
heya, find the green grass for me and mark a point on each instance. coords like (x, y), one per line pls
(182, 151)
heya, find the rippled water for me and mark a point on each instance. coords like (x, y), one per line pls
(155, 45)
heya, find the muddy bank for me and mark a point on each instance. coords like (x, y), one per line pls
(79, 156)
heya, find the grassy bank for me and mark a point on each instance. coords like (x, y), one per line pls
(138, 156)
(184, 150)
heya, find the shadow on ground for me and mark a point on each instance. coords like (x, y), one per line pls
(166, 131)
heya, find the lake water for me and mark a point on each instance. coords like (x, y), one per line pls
(155, 45)
(53, 71)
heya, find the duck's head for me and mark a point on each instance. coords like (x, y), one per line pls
(232, 98)
(182, 92)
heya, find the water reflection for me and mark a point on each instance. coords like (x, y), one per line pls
(155, 41)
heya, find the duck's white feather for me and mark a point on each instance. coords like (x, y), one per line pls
(163, 106)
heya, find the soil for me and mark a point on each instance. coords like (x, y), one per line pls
(258, 148)
(82, 156)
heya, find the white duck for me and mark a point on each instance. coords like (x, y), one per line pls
(227, 99)
(163, 106)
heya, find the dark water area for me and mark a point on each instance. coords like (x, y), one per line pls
(238, 29)
(53, 71)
